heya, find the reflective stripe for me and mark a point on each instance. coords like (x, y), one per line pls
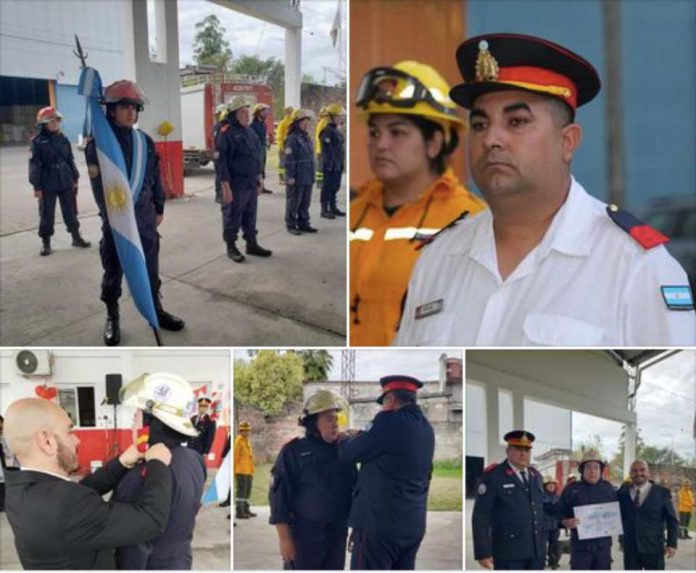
(407, 233)
(361, 234)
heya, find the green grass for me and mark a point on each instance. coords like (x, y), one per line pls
(445, 488)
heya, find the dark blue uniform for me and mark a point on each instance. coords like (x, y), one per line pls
(206, 434)
(587, 553)
(259, 127)
(239, 165)
(299, 165)
(150, 204)
(311, 491)
(508, 519)
(172, 549)
(52, 170)
(550, 521)
(332, 154)
(216, 160)
(391, 496)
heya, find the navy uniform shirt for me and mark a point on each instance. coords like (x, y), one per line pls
(151, 193)
(299, 157)
(172, 549)
(396, 457)
(332, 151)
(52, 165)
(239, 161)
(259, 128)
(311, 486)
(508, 521)
(585, 493)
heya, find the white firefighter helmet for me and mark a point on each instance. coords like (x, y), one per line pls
(168, 397)
(321, 401)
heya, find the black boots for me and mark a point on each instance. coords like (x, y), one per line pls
(326, 211)
(78, 241)
(45, 246)
(336, 211)
(240, 512)
(253, 248)
(167, 321)
(112, 328)
(234, 254)
(307, 229)
(247, 510)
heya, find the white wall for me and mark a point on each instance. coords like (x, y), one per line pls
(37, 38)
(88, 367)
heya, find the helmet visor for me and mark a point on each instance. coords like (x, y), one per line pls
(400, 90)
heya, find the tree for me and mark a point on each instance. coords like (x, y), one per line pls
(270, 72)
(270, 381)
(209, 44)
(317, 364)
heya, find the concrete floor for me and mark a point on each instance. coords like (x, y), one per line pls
(211, 540)
(255, 543)
(684, 560)
(296, 297)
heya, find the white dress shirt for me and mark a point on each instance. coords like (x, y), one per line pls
(587, 283)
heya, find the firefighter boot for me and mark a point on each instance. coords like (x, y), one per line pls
(45, 247)
(167, 321)
(112, 328)
(78, 241)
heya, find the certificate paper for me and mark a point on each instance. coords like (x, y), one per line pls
(598, 520)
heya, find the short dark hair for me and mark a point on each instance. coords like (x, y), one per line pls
(310, 425)
(428, 128)
(404, 397)
(561, 112)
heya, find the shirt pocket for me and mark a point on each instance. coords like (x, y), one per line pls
(554, 330)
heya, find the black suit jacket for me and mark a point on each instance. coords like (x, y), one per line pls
(644, 527)
(206, 434)
(60, 524)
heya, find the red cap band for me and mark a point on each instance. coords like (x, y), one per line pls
(400, 385)
(542, 78)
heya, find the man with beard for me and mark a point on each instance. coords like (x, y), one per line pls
(520, 273)
(162, 400)
(60, 524)
(646, 512)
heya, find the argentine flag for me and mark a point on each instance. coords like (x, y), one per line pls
(220, 487)
(120, 193)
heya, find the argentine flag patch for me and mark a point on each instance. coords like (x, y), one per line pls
(678, 297)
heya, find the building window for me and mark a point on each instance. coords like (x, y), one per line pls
(79, 405)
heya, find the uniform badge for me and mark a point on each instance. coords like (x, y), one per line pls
(678, 297)
(430, 308)
(508, 485)
(288, 151)
(481, 488)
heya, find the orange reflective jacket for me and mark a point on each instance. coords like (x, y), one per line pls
(243, 456)
(686, 500)
(383, 251)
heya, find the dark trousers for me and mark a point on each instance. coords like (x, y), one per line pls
(330, 187)
(553, 552)
(684, 519)
(375, 552)
(637, 561)
(595, 559)
(318, 547)
(534, 564)
(240, 214)
(47, 212)
(113, 273)
(297, 201)
(2, 496)
(242, 488)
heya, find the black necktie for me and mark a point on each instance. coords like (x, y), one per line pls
(636, 499)
(523, 473)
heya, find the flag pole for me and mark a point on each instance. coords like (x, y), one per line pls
(158, 336)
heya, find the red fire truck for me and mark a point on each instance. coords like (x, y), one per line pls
(200, 95)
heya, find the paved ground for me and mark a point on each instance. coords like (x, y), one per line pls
(211, 540)
(684, 560)
(256, 543)
(297, 297)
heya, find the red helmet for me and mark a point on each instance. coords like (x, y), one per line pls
(47, 115)
(124, 91)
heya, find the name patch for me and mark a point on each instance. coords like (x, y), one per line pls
(430, 308)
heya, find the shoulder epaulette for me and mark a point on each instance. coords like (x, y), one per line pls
(490, 468)
(449, 225)
(643, 234)
(224, 128)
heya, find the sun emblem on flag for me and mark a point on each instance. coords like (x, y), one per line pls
(116, 196)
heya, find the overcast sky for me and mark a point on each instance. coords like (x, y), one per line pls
(665, 408)
(250, 37)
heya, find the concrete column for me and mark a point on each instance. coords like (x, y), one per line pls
(161, 84)
(493, 450)
(517, 411)
(631, 433)
(293, 71)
